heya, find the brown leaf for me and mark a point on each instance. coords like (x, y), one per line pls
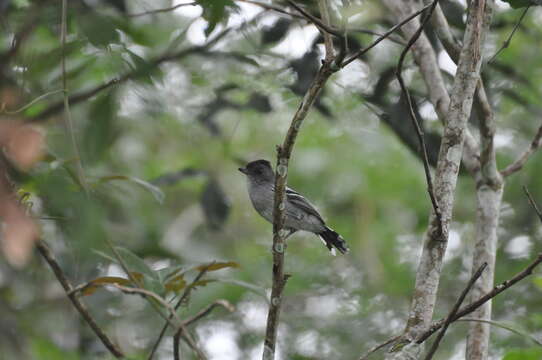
(218, 265)
(176, 284)
(93, 285)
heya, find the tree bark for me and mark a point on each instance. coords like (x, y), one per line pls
(456, 117)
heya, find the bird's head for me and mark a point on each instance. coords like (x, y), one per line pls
(259, 170)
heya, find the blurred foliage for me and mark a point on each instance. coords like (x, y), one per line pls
(168, 105)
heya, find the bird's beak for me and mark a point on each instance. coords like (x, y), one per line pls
(243, 170)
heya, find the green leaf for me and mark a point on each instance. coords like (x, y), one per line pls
(143, 70)
(516, 4)
(135, 263)
(43, 349)
(524, 354)
(217, 266)
(100, 132)
(215, 11)
(538, 282)
(155, 191)
(99, 30)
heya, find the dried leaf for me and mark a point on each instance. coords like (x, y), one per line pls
(218, 265)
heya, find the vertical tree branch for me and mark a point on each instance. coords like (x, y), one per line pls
(450, 154)
(68, 118)
(426, 59)
(284, 153)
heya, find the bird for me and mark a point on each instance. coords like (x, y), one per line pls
(299, 213)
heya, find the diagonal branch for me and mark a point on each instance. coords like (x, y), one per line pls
(415, 122)
(163, 10)
(483, 299)
(522, 159)
(533, 203)
(394, 28)
(506, 43)
(182, 299)
(454, 310)
(316, 21)
(77, 303)
(505, 285)
(82, 96)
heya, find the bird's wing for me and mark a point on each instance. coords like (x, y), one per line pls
(299, 200)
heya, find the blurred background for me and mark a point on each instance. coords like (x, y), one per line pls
(167, 105)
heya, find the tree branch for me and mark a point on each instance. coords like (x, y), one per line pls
(506, 43)
(182, 299)
(168, 9)
(77, 303)
(533, 203)
(279, 234)
(87, 94)
(385, 35)
(68, 122)
(522, 159)
(471, 307)
(482, 300)
(413, 117)
(453, 312)
(455, 120)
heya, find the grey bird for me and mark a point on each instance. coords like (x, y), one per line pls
(300, 214)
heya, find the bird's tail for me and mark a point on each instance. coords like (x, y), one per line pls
(333, 239)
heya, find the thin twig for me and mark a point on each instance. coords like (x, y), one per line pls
(279, 234)
(454, 310)
(24, 107)
(533, 203)
(378, 347)
(522, 159)
(68, 118)
(319, 23)
(204, 312)
(146, 294)
(509, 39)
(77, 303)
(415, 122)
(168, 9)
(483, 299)
(385, 35)
(503, 326)
(178, 324)
(87, 94)
(271, 7)
(182, 299)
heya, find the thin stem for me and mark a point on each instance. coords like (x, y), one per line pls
(77, 303)
(182, 299)
(522, 159)
(506, 43)
(483, 299)
(157, 11)
(68, 118)
(533, 203)
(454, 310)
(284, 153)
(385, 35)
(413, 117)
